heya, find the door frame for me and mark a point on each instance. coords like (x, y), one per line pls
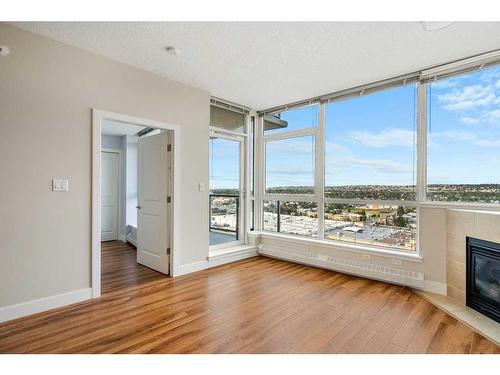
(120, 235)
(174, 220)
(242, 230)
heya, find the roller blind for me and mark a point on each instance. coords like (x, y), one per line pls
(227, 119)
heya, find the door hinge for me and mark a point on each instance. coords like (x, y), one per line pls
(168, 251)
(169, 199)
(169, 147)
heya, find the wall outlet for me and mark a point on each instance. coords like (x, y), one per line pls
(396, 262)
(366, 257)
(60, 185)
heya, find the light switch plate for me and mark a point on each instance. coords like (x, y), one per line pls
(60, 185)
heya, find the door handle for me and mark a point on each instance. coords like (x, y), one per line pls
(138, 207)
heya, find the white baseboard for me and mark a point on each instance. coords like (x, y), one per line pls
(131, 237)
(243, 252)
(349, 266)
(122, 237)
(184, 269)
(44, 304)
(217, 259)
(435, 287)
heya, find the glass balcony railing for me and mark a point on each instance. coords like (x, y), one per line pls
(224, 220)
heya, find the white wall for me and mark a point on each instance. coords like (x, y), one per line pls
(112, 141)
(131, 180)
(47, 91)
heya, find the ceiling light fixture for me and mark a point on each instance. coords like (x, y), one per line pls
(435, 26)
(172, 51)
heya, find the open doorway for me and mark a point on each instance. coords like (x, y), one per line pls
(133, 205)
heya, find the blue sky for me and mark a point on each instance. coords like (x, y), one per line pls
(370, 139)
(224, 164)
(464, 140)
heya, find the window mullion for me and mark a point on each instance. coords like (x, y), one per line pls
(320, 170)
(289, 134)
(259, 173)
(421, 142)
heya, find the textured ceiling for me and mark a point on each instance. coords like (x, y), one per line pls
(262, 65)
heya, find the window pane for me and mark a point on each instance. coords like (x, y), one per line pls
(299, 218)
(464, 138)
(295, 119)
(226, 119)
(372, 224)
(290, 166)
(270, 213)
(224, 166)
(370, 146)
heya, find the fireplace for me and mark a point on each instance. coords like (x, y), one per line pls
(483, 277)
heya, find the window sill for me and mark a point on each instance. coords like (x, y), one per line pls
(363, 249)
(489, 207)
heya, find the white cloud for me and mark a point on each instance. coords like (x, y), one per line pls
(380, 165)
(469, 97)
(385, 138)
(492, 115)
(291, 146)
(469, 137)
(336, 148)
(469, 120)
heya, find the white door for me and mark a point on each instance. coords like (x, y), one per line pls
(153, 181)
(110, 164)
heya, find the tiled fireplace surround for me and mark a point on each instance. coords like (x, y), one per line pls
(460, 224)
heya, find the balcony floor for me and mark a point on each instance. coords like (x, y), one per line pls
(217, 238)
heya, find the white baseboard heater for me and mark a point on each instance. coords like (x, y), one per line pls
(350, 266)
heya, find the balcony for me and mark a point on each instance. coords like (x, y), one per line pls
(224, 220)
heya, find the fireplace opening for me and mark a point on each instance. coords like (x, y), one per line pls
(483, 277)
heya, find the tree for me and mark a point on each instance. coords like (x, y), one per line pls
(363, 215)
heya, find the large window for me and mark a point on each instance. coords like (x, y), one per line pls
(464, 138)
(370, 146)
(356, 166)
(368, 171)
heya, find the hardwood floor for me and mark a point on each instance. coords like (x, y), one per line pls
(119, 268)
(258, 305)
